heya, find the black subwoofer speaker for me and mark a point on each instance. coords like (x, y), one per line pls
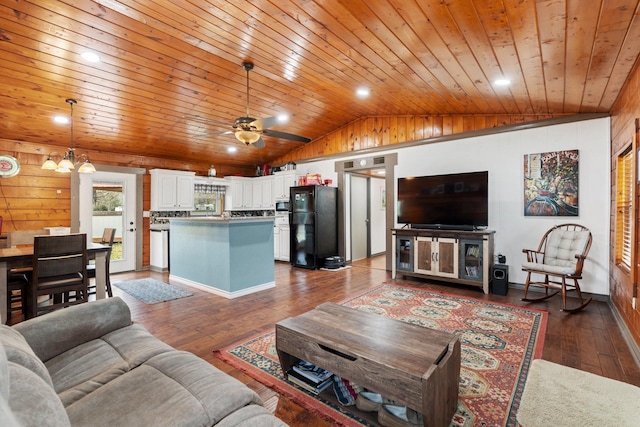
(499, 279)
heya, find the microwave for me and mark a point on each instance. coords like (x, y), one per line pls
(282, 205)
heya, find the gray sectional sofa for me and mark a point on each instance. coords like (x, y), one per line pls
(89, 365)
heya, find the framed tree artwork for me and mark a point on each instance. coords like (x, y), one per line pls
(551, 183)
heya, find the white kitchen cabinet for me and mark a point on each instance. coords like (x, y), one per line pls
(171, 190)
(285, 236)
(159, 250)
(247, 194)
(282, 183)
(276, 242)
(239, 193)
(263, 193)
(250, 193)
(281, 236)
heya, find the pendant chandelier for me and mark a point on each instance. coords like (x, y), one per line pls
(68, 161)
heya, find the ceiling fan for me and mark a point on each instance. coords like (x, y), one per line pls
(250, 130)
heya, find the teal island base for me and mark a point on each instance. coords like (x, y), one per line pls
(227, 257)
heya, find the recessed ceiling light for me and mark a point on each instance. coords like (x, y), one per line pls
(502, 82)
(283, 118)
(232, 150)
(90, 56)
(362, 92)
(61, 120)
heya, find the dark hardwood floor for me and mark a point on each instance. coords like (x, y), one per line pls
(589, 340)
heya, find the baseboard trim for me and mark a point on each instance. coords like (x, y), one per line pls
(540, 289)
(220, 292)
(624, 330)
(626, 333)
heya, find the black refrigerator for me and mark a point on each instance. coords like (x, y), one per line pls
(313, 221)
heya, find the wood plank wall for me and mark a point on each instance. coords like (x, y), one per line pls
(369, 132)
(623, 117)
(37, 198)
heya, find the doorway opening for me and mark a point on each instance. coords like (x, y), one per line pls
(111, 200)
(367, 214)
(384, 191)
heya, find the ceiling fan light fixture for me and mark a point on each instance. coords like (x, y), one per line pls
(247, 136)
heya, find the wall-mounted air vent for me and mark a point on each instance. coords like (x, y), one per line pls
(348, 165)
(378, 160)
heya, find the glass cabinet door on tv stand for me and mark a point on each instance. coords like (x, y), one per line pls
(404, 253)
(471, 258)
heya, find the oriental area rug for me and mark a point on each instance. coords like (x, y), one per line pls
(151, 291)
(498, 343)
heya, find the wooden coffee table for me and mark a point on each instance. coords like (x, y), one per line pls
(415, 366)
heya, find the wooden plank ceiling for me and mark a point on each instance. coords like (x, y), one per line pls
(171, 71)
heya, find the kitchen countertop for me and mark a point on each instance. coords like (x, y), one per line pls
(159, 226)
(215, 219)
(223, 219)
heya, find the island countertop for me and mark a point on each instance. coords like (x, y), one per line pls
(220, 219)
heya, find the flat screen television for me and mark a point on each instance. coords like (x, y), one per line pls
(454, 201)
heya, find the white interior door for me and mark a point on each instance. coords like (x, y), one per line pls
(359, 217)
(108, 200)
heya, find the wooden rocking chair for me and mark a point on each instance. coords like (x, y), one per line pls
(559, 259)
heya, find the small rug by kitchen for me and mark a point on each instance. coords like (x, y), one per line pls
(498, 343)
(151, 291)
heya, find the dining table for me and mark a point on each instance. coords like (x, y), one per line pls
(22, 256)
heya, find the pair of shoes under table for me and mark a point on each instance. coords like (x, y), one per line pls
(389, 413)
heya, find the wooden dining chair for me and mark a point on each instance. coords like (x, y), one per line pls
(59, 271)
(18, 278)
(108, 235)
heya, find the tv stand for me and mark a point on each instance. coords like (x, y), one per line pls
(461, 256)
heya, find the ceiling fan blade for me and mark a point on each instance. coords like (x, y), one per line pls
(259, 143)
(265, 123)
(285, 135)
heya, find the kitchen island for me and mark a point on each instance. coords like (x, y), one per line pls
(229, 257)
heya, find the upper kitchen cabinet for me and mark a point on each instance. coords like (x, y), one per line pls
(171, 190)
(263, 193)
(240, 196)
(249, 193)
(282, 183)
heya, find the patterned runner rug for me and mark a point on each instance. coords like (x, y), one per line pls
(498, 343)
(151, 291)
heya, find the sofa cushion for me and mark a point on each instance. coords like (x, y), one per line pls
(81, 370)
(6, 415)
(32, 401)
(171, 389)
(4, 375)
(54, 333)
(18, 351)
